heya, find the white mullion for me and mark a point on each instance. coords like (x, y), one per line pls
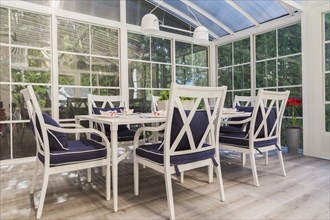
(253, 65)
(276, 62)
(10, 88)
(173, 61)
(54, 67)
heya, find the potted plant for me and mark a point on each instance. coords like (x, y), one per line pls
(164, 97)
(293, 133)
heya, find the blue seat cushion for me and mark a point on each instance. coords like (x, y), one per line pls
(198, 125)
(97, 111)
(230, 128)
(271, 119)
(152, 153)
(241, 139)
(79, 151)
(57, 140)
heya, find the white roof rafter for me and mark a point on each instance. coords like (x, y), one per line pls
(290, 9)
(207, 15)
(243, 12)
(179, 13)
(293, 4)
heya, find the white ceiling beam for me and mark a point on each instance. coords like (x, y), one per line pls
(293, 4)
(288, 8)
(207, 15)
(243, 12)
(179, 13)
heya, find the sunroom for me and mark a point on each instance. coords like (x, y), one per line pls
(68, 49)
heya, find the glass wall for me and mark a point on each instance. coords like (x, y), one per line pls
(234, 69)
(191, 63)
(25, 59)
(327, 70)
(149, 69)
(88, 61)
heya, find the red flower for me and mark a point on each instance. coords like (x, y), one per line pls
(294, 102)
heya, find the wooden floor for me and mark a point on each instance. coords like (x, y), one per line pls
(302, 194)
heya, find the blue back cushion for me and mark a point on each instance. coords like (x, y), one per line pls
(271, 119)
(198, 126)
(98, 110)
(57, 140)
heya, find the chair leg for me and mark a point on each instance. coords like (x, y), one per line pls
(266, 158)
(219, 176)
(108, 182)
(210, 172)
(43, 194)
(280, 157)
(182, 177)
(89, 175)
(254, 169)
(243, 159)
(169, 193)
(34, 178)
(136, 177)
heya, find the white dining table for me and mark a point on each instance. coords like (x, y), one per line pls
(135, 118)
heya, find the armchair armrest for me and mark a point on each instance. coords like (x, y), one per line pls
(244, 121)
(71, 125)
(144, 129)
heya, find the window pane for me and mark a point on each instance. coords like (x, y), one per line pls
(289, 40)
(104, 91)
(4, 64)
(72, 36)
(105, 72)
(229, 100)
(183, 52)
(200, 77)
(327, 117)
(160, 50)
(327, 87)
(138, 46)
(266, 45)
(73, 70)
(23, 140)
(161, 76)
(242, 51)
(225, 78)
(139, 100)
(266, 74)
(295, 92)
(29, 65)
(4, 26)
(4, 104)
(327, 57)
(200, 55)
(104, 41)
(139, 75)
(30, 29)
(242, 77)
(72, 101)
(327, 26)
(289, 71)
(184, 75)
(5, 130)
(225, 55)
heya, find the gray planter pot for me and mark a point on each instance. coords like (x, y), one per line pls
(293, 139)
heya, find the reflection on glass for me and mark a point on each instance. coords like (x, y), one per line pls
(266, 73)
(327, 87)
(266, 45)
(225, 55)
(4, 26)
(184, 75)
(139, 75)
(225, 78)
(30, 65)
(200, 77)
(73, 70)
(200, 55)
(72, 36)
(138, 46)
(327, 26)
(160, 50)
(289, 40)
(183, 52)
(242, 77)
(4, 141)
(327, 117)
(105, 72)
(289, 71)
(161, 76)
(104, 41)
(139, 100)
(327, 57)
(72, 101)
(4, 102)
(30, 29)
(4, 64)
(242, 51)
(106, 92)
(23, 140)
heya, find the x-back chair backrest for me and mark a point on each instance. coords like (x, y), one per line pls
(36, 114)
(104, 102)
(207, 96)
(244, 101)
(267, 115)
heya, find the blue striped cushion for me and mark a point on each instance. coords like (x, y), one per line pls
(79, 150)
(241, 139)
(152, 153)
